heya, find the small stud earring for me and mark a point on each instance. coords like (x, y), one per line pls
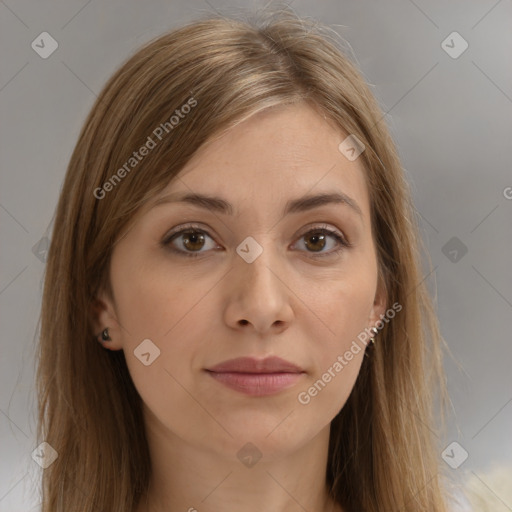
(104, 335)
(374, 331)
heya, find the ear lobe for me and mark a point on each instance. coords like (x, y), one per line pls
(102, 315)
(379, 305)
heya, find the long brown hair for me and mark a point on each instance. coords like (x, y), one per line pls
(383, 455)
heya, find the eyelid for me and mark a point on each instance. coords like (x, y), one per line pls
(302, 232)
(183, 227)
(322, 226)
(343, 241)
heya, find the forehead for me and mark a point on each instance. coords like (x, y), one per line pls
(274, 156)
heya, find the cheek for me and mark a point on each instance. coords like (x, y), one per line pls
(344, 305)
(153, 300)
(337, 360)
(344, 308)
(170, 310)
(349, 311)
(170, 317)
(326, 393)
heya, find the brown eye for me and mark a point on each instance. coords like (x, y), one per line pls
(193, 240)
(317, 239)
(188, 242)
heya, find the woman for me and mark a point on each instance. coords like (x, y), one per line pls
(234, 314)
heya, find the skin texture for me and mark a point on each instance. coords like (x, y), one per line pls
(202, 311)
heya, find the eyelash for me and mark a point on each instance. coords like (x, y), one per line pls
(192, 228)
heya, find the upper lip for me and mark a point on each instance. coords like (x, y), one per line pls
(271, 364)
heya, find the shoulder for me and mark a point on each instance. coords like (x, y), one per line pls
(487, 491)
(460, 503)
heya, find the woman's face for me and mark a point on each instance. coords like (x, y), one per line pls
(262, 277)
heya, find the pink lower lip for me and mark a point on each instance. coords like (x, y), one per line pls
(257, 384)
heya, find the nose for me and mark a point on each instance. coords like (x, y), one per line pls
(259, 298)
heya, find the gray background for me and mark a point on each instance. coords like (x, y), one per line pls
(451, 119)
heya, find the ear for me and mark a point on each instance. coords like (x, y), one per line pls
(103, 315)
(379, 305)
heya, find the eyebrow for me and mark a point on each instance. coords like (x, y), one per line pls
(301, 204)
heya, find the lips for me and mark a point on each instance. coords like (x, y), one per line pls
(252, 365)
(257, 377)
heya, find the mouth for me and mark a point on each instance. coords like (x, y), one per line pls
(257, 377)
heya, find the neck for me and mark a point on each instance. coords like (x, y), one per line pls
(203, 479)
